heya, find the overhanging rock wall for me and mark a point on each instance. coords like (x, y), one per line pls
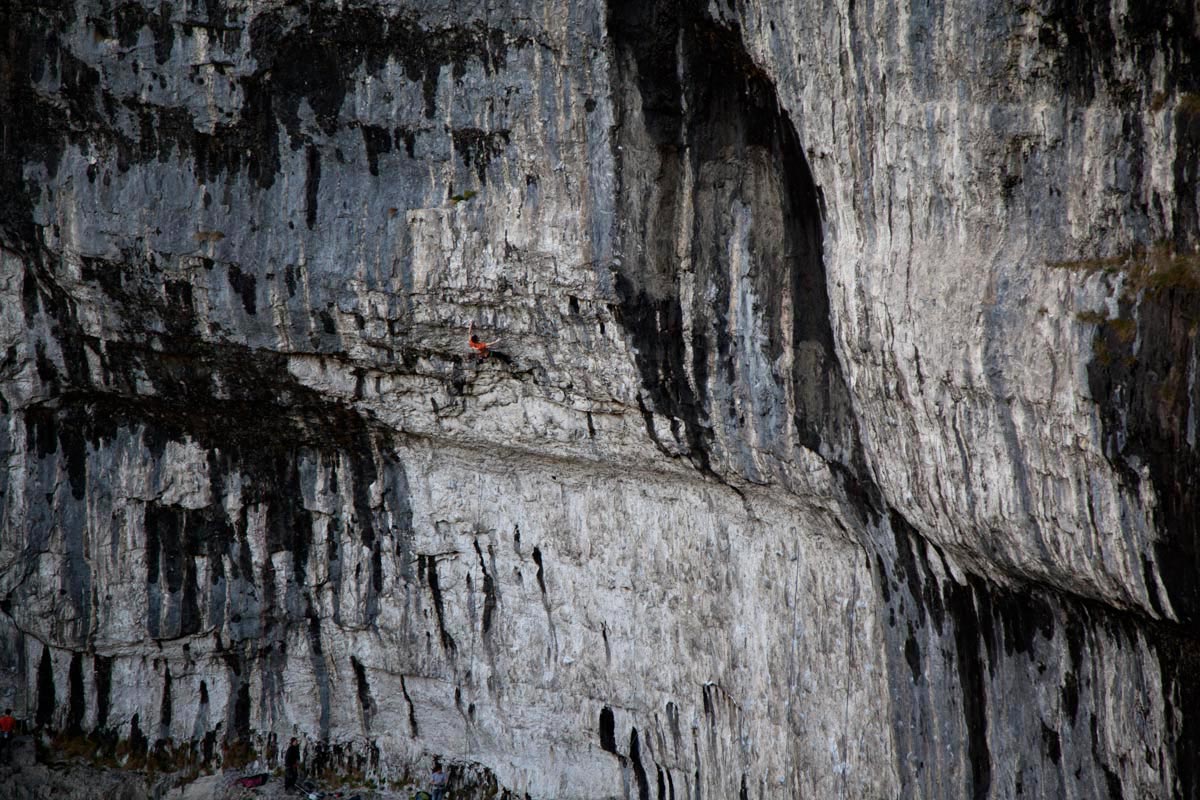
(841, 440)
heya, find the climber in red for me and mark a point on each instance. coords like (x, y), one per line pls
(481, 348)
(8, 729)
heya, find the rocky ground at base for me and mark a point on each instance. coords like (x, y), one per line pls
(225, 786)
(25, 777)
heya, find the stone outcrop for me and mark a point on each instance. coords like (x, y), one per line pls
(841, 438)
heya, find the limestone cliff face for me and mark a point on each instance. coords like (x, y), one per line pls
(841, 440)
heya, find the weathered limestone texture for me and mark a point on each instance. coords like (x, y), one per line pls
(841, 440)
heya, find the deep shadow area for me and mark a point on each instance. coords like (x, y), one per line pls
(1141, 377)
(720, 231)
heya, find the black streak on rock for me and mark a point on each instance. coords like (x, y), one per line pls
(1051, 743)
(489, 592)
(246, 287)
(1179, 655)
(1145, 399)
(1187, 166)
(608, 737)
(541, 573)
(131, 17)
(314, 58)
(365, 703)
(138, 743)
(312, 186)
(477, 148)
(320, 670)
(639, 771)
(175, 537)
(431, 578)
(408, 138)
(376, 140)
(102, 676)
(1070, 696)
(46, 700)
(412, 711)
(912, 654)
(1113, 783)
(180, 316)
(916, 571)
(241, 713)
(76, 700)
(290, 275)
(166, 709)
(971, 681)
(29, 44)
(1088, 41)
(1021, 616)
(696, 756)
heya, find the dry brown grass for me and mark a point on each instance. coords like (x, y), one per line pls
(1092, 317)
(238, 754)
(1155, 268)
(1189, 105)
(1124, 329)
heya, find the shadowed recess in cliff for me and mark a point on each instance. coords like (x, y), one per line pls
(639, 771)
(76, 702)
(166, 710)
(1145, 358)
(608, 739)
(974, 631)
(366, 703)
(1142, 377)
(723, 288)
(102, 678)
(46, 696)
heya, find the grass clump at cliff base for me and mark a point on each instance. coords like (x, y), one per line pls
(102, 749)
